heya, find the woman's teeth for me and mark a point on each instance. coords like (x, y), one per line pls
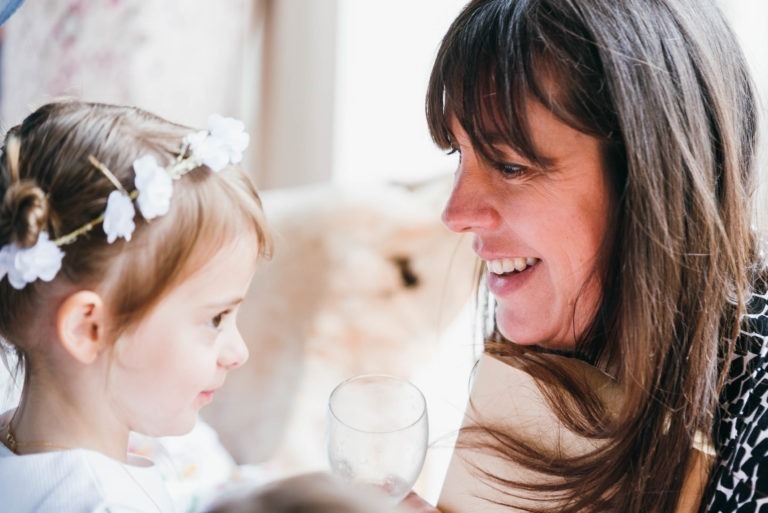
(508, 265)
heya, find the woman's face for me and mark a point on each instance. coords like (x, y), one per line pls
(539, 231)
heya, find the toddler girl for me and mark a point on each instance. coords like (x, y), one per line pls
(127, 244)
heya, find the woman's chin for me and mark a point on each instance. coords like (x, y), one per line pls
(521, 336)
(517, 328)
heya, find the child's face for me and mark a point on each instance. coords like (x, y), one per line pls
(166, 369)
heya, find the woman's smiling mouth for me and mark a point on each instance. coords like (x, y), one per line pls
(509, 265)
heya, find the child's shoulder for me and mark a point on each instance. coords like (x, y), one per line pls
(47, 482)
(57, 481)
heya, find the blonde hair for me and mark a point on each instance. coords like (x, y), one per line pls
(48, 184)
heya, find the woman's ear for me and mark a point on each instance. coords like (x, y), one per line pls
(80, 325)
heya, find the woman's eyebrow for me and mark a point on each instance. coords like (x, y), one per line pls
(496, 140)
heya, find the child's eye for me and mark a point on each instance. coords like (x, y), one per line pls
(216, 321)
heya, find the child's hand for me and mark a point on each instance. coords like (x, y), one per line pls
(415, 504)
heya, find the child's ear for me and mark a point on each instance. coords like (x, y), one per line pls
(80, 325)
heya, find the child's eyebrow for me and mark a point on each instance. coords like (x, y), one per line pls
(226, 303)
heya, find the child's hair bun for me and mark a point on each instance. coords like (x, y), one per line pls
(25, 210)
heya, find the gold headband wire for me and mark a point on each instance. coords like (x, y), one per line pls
(70, 237)
(219, 146)
(106, 172)
(12, 151)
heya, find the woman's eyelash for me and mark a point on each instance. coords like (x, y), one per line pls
(512, 170)
(506, 169)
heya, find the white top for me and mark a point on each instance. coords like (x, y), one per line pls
(79, 481)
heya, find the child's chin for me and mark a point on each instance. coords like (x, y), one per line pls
(185, 428)
(181, 426)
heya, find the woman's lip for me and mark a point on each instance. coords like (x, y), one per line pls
(490, 255)
(501, 285)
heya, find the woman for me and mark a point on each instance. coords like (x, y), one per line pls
(606, 174)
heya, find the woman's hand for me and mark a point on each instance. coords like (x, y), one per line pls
(415, 504)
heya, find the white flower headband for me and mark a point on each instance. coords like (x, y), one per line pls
(221, 145)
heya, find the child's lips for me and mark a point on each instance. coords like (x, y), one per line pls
(206, 396)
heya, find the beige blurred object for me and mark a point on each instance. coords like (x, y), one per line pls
(362, 281)
(315, 493)
(505, 395)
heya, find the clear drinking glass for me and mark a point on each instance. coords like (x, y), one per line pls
(378, 432)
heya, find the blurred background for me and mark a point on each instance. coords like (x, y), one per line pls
(330, 89)
(332, 92)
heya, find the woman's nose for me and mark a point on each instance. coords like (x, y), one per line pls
(234, 352)
(469, 206)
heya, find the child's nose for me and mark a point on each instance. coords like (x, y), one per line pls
(234, 352)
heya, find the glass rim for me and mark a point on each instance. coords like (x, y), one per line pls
(389, 377)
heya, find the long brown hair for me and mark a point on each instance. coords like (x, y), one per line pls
(48, 184)
(664, 86)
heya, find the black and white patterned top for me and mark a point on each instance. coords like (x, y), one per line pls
(739, 481)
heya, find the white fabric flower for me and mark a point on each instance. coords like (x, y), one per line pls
(231, 134)
(155, 187)
(7, 257)
(25, 265)
(209, 150)
(223, 144)
(118, 217)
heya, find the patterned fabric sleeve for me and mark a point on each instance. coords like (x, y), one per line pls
(739, 481)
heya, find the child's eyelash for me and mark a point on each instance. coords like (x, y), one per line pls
(215, 321)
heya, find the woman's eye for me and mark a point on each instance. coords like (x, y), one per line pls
(512, 170)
